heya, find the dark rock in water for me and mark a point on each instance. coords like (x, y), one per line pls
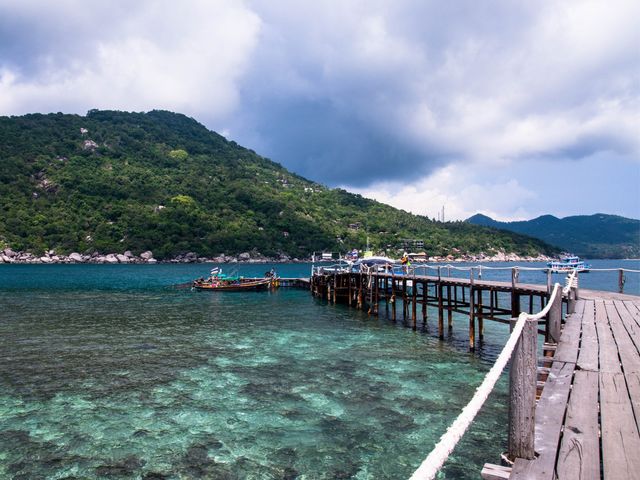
(342, 474)
(214, 444)
(127, 466)
(141, 433)
(197, 454)
(16, 467)
(290, 474)
(387, 416)
(154, 476)
(146, 346)
(197, 461)
(12, 437)
(287, 453)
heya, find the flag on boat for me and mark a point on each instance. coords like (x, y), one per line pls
(215, 271)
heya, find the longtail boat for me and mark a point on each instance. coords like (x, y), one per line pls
(219, 281)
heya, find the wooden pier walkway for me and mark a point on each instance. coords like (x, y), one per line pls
(478, 299)
(587, 421)
(575, 411)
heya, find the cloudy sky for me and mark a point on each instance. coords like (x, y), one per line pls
(512, 109)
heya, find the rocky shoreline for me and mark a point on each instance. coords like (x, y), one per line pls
(8, 256)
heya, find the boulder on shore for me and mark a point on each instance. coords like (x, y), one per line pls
(146, 255)
(76, 257)
(122, 258)
(111, 258)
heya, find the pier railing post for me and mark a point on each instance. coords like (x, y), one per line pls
(522, 391)
(621, 280)
(572, 297)
(554, 320)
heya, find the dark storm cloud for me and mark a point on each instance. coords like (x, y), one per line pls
(329, 145)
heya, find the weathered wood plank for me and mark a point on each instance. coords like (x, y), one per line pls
(633, 384)
(634, 310)
(620, 438)
(567, 349)
(588, 356)
(579, 455)
(495, 472)
(629, 321)
(608, 354)
(627, 351)
(549, 418)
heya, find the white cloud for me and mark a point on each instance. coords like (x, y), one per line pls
(453, 187)
(186, 57)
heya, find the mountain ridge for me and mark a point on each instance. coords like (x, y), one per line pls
(113, 181)
(598, 235)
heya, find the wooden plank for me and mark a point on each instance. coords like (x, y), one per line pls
(588, 356)
(620, 438)
(627, 351)
(495, 472)
(632, 327)
(549, 417)
(633, 384)
(608, 354)
(567, 349)
(579, 454)
(634, 310)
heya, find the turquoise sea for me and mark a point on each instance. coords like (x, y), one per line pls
(107, 371)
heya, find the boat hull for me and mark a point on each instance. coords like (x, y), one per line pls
(239, 287)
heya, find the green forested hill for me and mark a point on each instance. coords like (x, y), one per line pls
(114, 181)
(593, 236)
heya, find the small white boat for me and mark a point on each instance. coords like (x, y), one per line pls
(377, 264)
(568, 264)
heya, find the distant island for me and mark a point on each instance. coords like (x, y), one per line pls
(128, 184)
(592, 236)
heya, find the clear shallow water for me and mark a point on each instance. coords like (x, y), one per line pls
(105, 372)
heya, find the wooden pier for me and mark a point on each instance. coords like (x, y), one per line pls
(402, 294)
(587, 421)
(575, 410)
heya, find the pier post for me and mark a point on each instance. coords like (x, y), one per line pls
(393, 297)
(335, 288)
(414, 298)
(522, 394)
(554, 319)
(440, 312)
(515, 296)
(472, 313)
(480, 316)
(377, 295)
(425, 289)
(449, 311)
(350, 293)
(621, 280)
(405, 307)
(386, 294)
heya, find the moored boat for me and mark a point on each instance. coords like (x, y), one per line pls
(568, 264)
(219, 281)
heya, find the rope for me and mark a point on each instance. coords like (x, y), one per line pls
(434, 461)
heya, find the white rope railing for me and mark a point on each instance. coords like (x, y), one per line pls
(435, 460)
